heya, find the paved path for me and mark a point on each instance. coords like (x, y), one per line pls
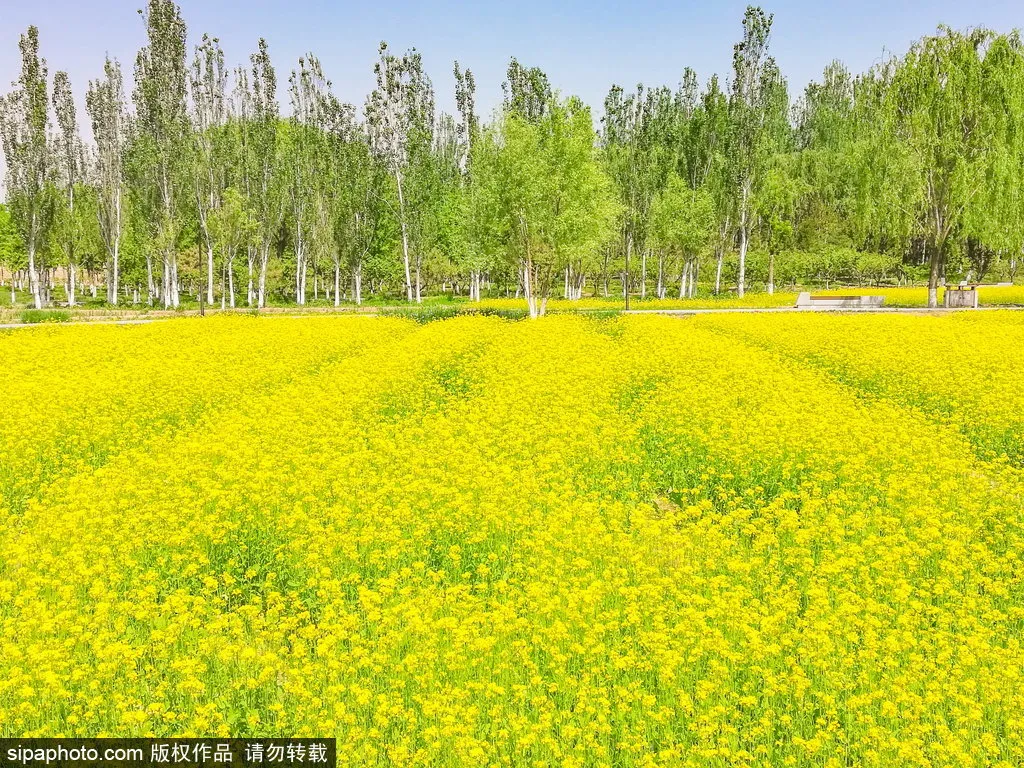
(761, 310)
(10, 326)
(371, 311)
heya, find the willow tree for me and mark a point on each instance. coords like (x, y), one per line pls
(825, 161)
(163, 129)
(949, 119)
(993, 224)
(24, 129)
(683, 223)
(778, 201)
(552, 201)
(104, 101)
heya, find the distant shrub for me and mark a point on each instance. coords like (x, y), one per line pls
(45, 316)
(422, 315)
(428, 314)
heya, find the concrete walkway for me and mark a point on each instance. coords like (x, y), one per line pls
(372, 311)
(817, 310)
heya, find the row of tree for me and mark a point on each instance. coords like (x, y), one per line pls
(199, 184)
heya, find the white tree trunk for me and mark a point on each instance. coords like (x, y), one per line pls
(209, 274)
(660, 290)
(405, 241)
(741, 280)
(116, 250)
(262, 292)
(175, 284)
(166, 289)
(33, 277)
(643, 274)
(250, 258)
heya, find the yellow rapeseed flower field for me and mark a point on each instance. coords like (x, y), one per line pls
(745, 540)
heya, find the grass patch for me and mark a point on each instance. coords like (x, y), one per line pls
(45, 316)
(429, 314)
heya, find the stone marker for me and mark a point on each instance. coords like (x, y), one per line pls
(958, 298)
(806, 301)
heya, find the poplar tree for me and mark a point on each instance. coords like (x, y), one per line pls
(707, 164)
(69, 227)
(358, 201)
(24, 129)
(753, 79)
(348, 190)
(104, 101)
(163, 129)
(400, 118)
(636, 138)
(309, 92)
(527, 91)
(468, 129)
(231, 228)
(262, 139)
(210, 112)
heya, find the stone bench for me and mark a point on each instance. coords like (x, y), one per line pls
(806, 301)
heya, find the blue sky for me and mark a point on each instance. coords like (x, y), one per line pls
(584, 47)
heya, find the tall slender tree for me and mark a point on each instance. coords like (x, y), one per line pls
(69, 227)
(160, 90)
(308, 166)
(753, 75)
(400, 117)
(104, 101)
(467, 131)
(24, 129)
(209, 113)
(262, 159)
